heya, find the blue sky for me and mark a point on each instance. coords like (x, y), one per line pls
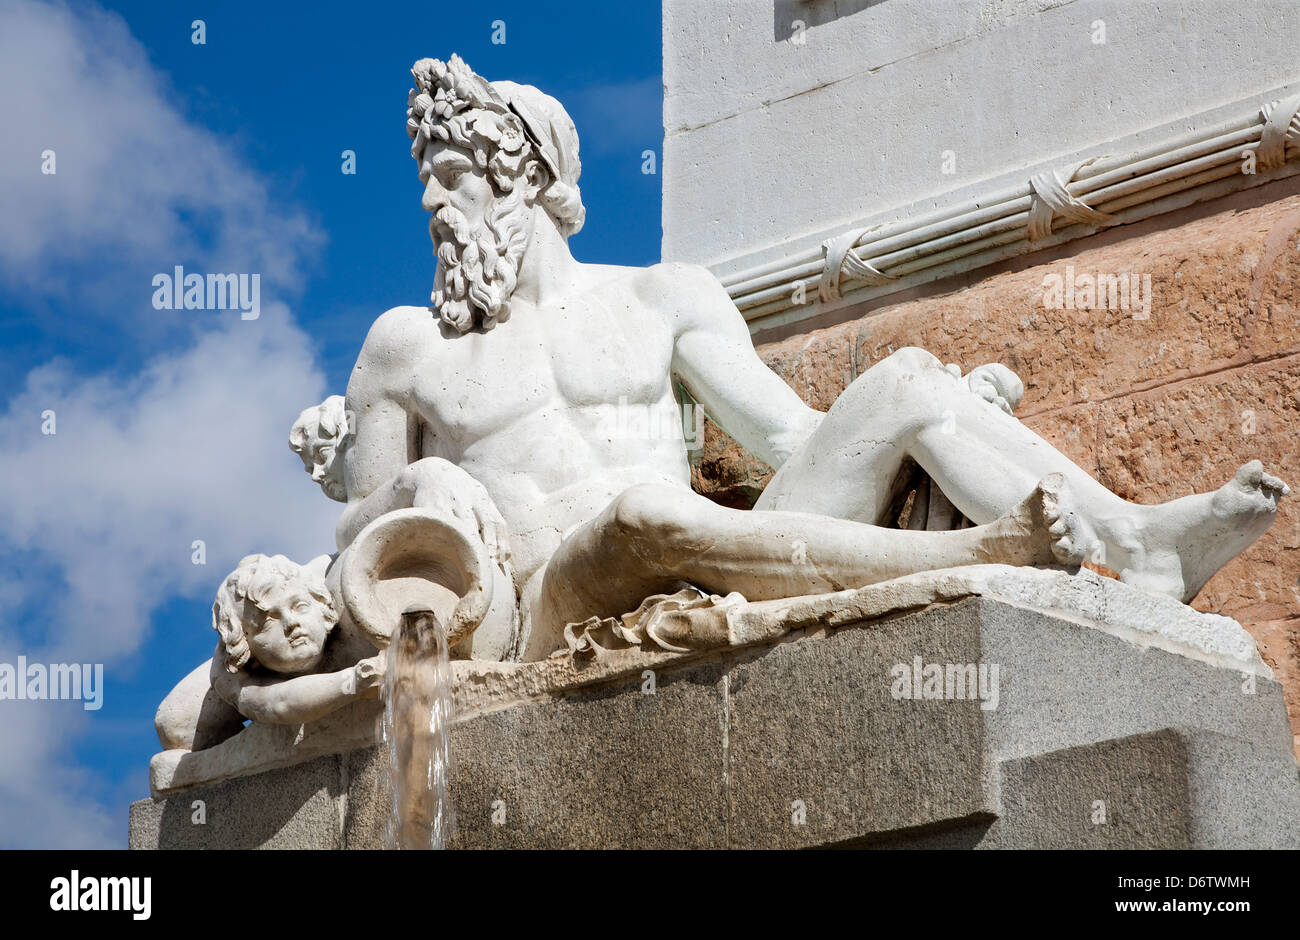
(171, 425)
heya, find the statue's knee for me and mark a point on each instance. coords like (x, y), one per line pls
(192, 717)
(652, 514)
(178, 714)
(911, 359)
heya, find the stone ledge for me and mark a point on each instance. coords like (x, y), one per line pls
(1098, 603)
(727, 743)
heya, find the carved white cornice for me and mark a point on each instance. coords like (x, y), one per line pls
(1054, 206)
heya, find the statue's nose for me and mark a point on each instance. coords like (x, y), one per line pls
(435, 197)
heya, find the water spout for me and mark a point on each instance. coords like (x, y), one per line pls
(417, 722)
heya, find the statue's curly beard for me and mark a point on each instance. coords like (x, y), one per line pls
(478, 268)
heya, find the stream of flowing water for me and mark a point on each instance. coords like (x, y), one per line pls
(417, 723)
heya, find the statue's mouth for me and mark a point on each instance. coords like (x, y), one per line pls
(439, 230)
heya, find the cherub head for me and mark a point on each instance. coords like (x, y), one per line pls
(274, 613)
(319, 437)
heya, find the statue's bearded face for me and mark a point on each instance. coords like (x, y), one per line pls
(479, 235)
(493, 157)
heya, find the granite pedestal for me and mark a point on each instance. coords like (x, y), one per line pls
(1092, 741)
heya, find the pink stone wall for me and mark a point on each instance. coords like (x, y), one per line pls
(1155, 408)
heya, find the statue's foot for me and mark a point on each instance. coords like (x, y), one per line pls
(1045, 529)
(1174, 548)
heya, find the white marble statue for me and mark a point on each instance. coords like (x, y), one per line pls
(512, 457)
(516, 372)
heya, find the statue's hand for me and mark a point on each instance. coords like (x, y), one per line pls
(369, 673)
(444, 488)
(997, 384)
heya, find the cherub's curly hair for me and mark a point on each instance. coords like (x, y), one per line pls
(243, 592)
(329, 416)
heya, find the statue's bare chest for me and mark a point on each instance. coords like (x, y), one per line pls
(547, 365)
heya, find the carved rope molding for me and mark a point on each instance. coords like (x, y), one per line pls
(842, 261)
(1049, 210)
(1051, 198)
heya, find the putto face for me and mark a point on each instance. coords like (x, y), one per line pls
(319, 437)
(320, 459)
(289, 636)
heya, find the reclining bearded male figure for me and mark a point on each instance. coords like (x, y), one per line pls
(518, 369)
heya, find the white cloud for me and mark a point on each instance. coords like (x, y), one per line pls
(195, 447)
(100, 516)
(46, 800)
(132, 172)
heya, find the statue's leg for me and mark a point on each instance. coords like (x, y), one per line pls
(653, 538)
(909, 407)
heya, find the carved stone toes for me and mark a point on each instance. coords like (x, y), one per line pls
(1270, 482)
(1251, 476)
(1062, 523)
(1251, 493)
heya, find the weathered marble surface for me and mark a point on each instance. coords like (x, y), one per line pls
(742, 94)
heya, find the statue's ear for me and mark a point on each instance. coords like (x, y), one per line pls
(536, 178)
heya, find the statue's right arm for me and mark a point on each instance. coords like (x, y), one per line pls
(380, 421)
(291, 700)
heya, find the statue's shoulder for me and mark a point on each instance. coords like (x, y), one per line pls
(663, 286)
(399, 332)
(677, 284)
(688, 296)
(396, 340)
(677, 276)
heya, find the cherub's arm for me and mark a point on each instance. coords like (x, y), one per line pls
(714, 358)
(292, 700)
